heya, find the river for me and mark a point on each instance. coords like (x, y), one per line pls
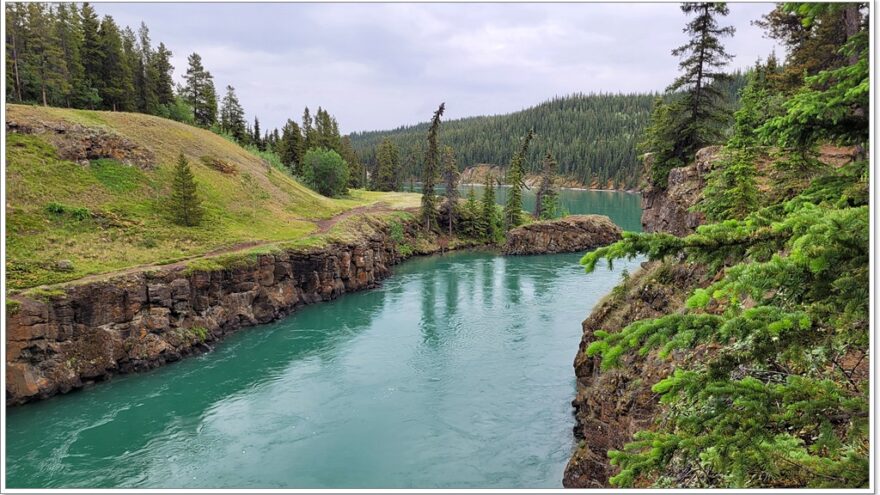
(455, 373)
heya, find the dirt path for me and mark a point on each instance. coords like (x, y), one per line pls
(323, 226)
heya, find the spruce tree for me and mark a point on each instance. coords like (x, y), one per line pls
(185, 204)
(232, 116)
(162, 68)
(489, 212)
(450, 177)
(431, 169)
(44, 55)
(515, 178)
(546, 198)
(148, 74)
(308, 131)
(200, 93)
(16, 23)
(696, 115)
(257, 138)
(69, 33)
(387, 176)
(91, 54)
(116, 86)
(355, 168)
(289, 146)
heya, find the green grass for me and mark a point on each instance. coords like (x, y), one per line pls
(106, 216)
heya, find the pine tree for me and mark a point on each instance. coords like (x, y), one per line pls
(387, 176)
(431, 169)
(199, 92)
(232, 116)
(546, 198)
(185, 204)
(327, 131)
(289, 147)
(450, 177)
(515, 178)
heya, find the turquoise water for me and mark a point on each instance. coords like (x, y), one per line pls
(619, 206)
(455, 373)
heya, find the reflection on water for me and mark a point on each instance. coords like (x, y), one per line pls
(455, 373)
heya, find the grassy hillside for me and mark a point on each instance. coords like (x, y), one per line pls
(103, 215)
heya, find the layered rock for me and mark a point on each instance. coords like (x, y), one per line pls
(612, 405)
(573, 233)
(668, 210)
(78, 334)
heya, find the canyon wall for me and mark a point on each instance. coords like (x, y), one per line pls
(73, 335)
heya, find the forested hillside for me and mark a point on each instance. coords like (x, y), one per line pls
(593, 137)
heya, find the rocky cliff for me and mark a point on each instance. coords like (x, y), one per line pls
(565, 235)
(668, 210)
(62, 339)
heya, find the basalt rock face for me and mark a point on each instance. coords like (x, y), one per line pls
(613, 404)
(668, 210)
(87, 333)
(570, 234)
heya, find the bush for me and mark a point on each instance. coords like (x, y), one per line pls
(325, 172)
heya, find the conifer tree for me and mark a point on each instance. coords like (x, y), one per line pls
(387, 177)
(431, 169)
(69, 34)
(257, 137)
(44, 54)
(546, 198)
(696, 115)
(232, 116)
(162, 68)
(16, 23)
(185, 204)
(147, 74)
(200, 93)
(308, 131)
(515, 178)
(450, 177)
(489, 212)
(355, 167)
(289, 146)
(91, 54)
(116, 86)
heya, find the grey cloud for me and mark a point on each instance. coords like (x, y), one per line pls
(377, 66)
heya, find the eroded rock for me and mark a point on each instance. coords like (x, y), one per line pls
(570, 234)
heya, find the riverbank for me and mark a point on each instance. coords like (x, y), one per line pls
(64, 337)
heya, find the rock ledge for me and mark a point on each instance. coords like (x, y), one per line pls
(566, 235)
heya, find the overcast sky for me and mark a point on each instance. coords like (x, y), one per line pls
(379, 66)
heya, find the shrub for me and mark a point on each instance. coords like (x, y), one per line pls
(325, 172)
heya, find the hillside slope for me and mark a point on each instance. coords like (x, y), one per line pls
(86, 194)
(593, 137)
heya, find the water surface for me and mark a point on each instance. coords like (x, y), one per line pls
(455, 373)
